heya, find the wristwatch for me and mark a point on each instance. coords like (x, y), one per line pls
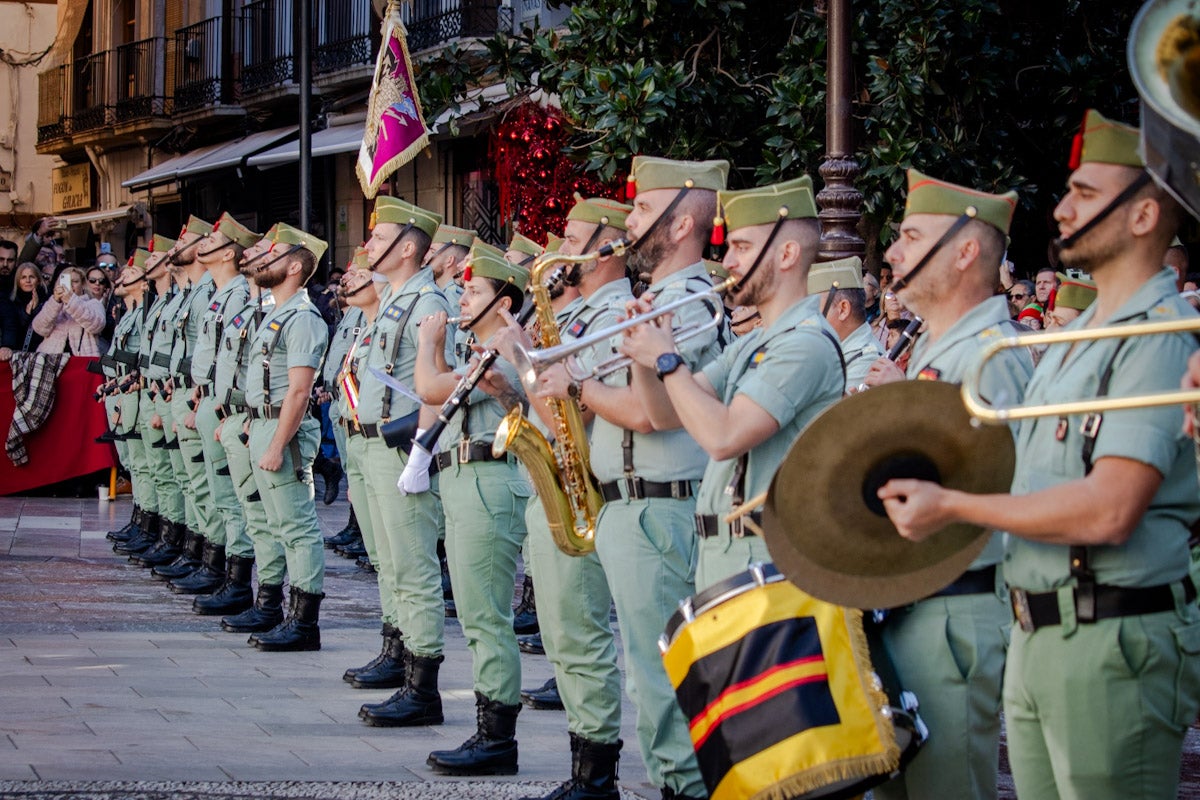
(574, 389)
(667, 363)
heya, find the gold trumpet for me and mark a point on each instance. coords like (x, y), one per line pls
(531, 363)
(981, 411)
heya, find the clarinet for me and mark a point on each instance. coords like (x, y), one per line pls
(427, 440)
(907, 337)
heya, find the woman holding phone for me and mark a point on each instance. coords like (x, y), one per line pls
(71, 319)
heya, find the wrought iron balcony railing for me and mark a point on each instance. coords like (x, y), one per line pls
(346, 31)
(92, 95)
(53, 122)
(434, 22)
(268, 45)
(141, 80)
(203, 65)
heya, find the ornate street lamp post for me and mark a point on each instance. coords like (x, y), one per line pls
(839, 201)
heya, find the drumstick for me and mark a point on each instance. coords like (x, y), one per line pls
(745, 509)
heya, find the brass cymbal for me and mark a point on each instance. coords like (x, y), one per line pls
(825, 527)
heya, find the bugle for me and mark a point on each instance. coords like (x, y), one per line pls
(531, 363)
(981, 411)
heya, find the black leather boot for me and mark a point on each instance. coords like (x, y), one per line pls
(492, 750)
(352, 549)
(418, 703)
(388, 673)
(388, 631)
(235, 595)
(346, 534)
(670, 794)
(331, 470)
(593, 772)
(543, 698)
(131, 527)
(186, 562)
(300, 630)
(525, 614)
(168, 548)
(532, 645)
(265, 614)
(142, 539)
(208, 577)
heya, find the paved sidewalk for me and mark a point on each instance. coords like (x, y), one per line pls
(105, 676)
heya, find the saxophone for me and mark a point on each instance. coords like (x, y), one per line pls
(560, 472)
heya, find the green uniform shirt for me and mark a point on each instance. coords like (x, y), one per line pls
(225, 302)
(377, 343)
(483, 412)
(661, 455)
(156, 329)
(1156, 551)
(125, 338)
(1004, 380)
(233, 351)
(861, 349)
(793, 371)
(189, 322)
(292, 335)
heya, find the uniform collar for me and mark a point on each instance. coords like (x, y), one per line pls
(697, 270)
(1150, 294)
(987, 314)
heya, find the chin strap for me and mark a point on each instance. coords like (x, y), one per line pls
(762, 251)
(1062, 243)
(666, 213)
(403, 231)
(950, 233)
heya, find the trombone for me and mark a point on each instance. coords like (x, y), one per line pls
(531, 363)
(981, 411)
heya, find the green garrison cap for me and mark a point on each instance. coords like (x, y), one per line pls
(1077, 293)
(648, 173)
(270, 234)
(928, 195)
(716, 270)
(160, 244)
(765, 204)
(401, 212)
(197, 226)
(359, 260)
(236, 231)
(525, 246)
(847, 272)
(138, 259)
(599, 211)
(286, 234)
(448, 234)
(489, 262)
(553, 244)
(1105, 141)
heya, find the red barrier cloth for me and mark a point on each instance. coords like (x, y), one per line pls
(64, 447)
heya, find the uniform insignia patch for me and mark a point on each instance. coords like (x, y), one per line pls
(758, 356)
(215, 306)
(392, 313)
(989, 333)
(237, 321)
(577, 328)
(366, 340)
(274, 325)
(929, 374)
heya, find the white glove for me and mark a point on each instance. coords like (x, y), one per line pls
(415, 477)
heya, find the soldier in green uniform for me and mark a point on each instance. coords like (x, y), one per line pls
(645, 534)
(484, 502)
(574, 593)
(446, 257)
(404, 528)
(1096, 554)
(847, 313)
(218, 254)
(289, 345)
(747, 406)
(948, 649)
(243, 313)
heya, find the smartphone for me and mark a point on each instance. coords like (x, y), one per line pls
(64, 281)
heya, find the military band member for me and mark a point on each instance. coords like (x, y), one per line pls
(747, 405)
(847, 313)
(446, 257)
(403, 526)
(484, 503)
(1096, 554)
(246, 309)
(218, 254)
(645, 533)
(284, 435)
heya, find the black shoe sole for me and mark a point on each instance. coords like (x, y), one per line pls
(540, 705)
(394, 683)
(421, 722)
(461, 771)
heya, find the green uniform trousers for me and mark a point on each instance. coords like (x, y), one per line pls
(201, 514)
(178, 472)
(648, 549)
(141, 459)
(1100, 710)
(287, 495)
(353, 457)
(405, 529)
(268, 550)
(949, 651)
(162, 468)
(225, 512)
(484, 503)
(573, 614)
(723, 556)
(124, 407)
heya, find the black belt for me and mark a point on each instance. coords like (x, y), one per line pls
(185, 380)
(638, 489)
(367, 429)
(206, 390)
(475, 451)
(266, 412)
(709, 525)
(975, 581)
(227, 410)
(1035, 611)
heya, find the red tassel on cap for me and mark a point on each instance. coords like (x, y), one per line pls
(1076, 152)
(630, 187)
(718, 232)
(466, 275)
(129, 263)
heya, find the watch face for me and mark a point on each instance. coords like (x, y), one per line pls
(667, 363)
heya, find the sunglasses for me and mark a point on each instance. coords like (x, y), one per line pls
(100, 281)
(1016, 296)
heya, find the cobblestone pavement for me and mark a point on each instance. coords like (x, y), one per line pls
(111, 688)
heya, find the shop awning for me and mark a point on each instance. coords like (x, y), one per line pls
(329, 142)
(208, 158)
(88, 217)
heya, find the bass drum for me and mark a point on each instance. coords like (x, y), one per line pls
(779, 693)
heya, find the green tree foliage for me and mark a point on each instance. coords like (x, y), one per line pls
(982, 92)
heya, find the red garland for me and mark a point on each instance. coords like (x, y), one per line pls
(537, 181)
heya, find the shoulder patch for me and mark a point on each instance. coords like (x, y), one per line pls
(758, 356)
(808, 322)
(929, 374)
(237, 321)
(990, 333)
(577, 328)
(392, 313)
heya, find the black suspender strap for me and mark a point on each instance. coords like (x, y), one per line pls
(220, 335)
(267, 351)
(723, 328)
(386, 411)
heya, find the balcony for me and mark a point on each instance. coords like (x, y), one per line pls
(268, 46)
(432, 23)
(53, 122)
(204, 76)
(91, 93)
(347, 38)
(141, 81)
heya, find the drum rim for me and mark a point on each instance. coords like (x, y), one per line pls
(720, 592)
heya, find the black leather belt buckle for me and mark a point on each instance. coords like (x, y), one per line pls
(442, 460)
(221, 413)
(1020, 606)
(244, 438)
